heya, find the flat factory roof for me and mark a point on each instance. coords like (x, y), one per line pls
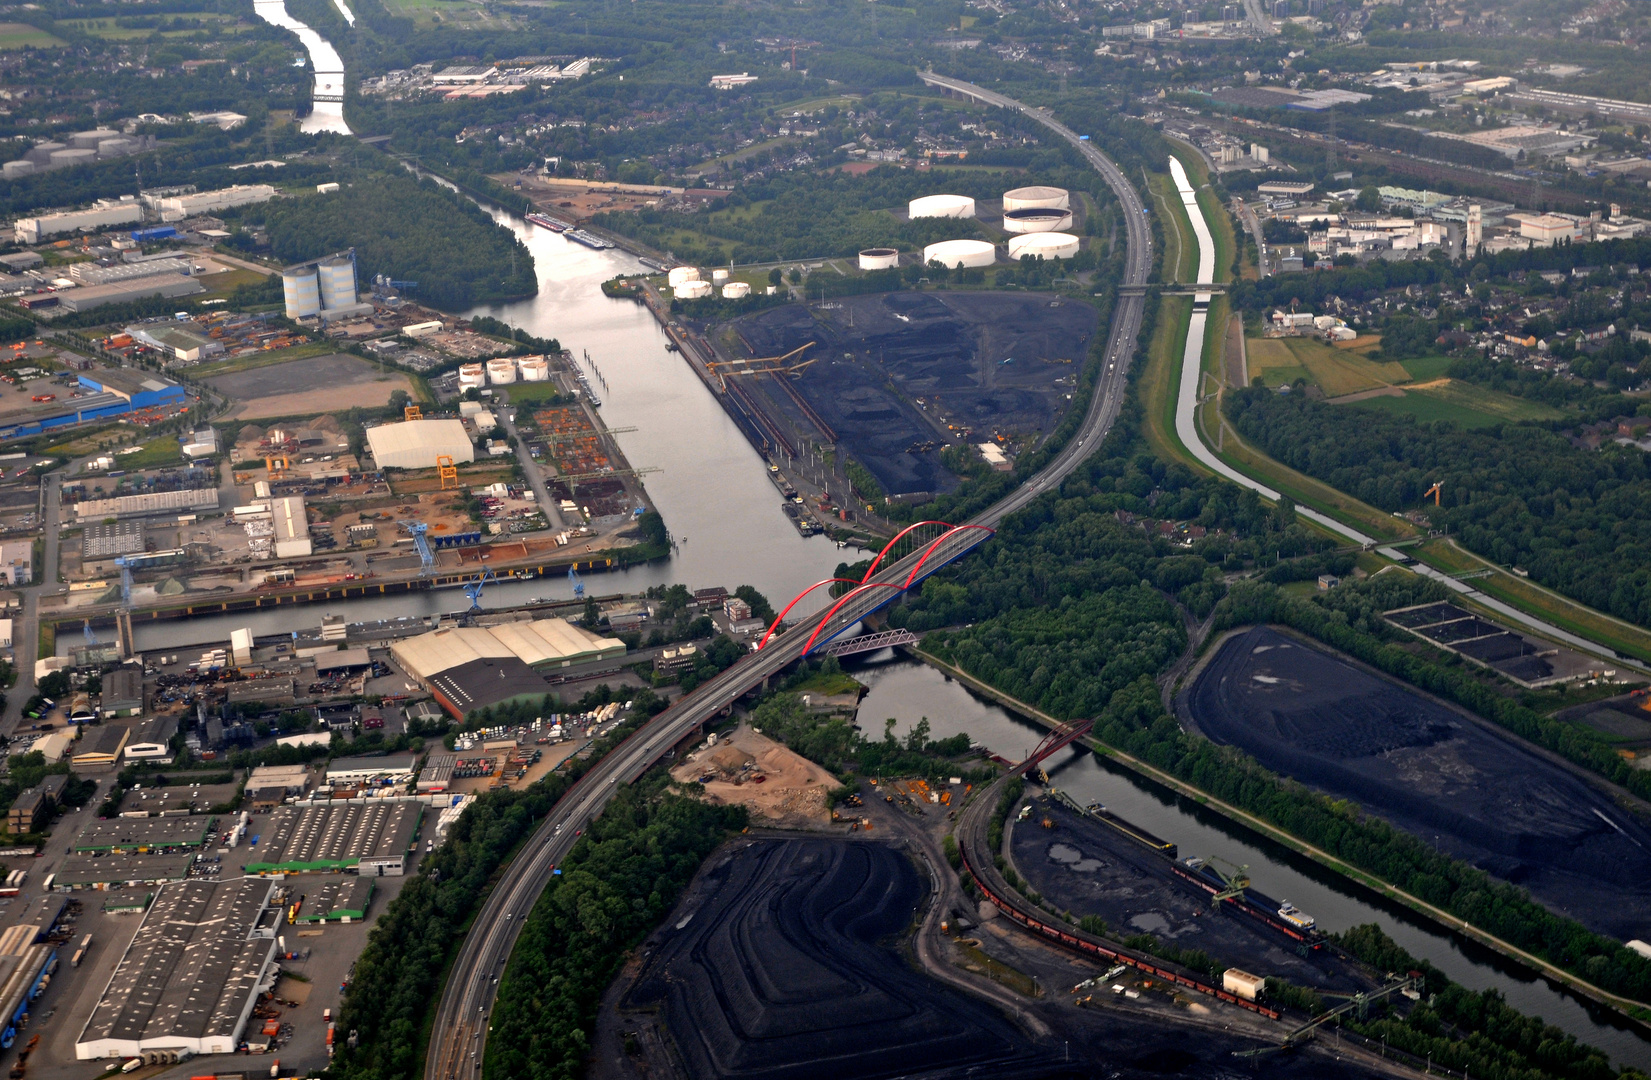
(341, 899)
(336, 836)
(145, 834)
(188, 979)
(91, 871)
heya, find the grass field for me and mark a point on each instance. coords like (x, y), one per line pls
(524, 393)
(223, 284)
(1279, 361)
(22, 35)
(1443, 555)
(458, 15)
(1462, 403)
(156, 454)
(1426, 368)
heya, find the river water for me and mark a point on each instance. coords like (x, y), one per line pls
(327, 113)
(908, 691)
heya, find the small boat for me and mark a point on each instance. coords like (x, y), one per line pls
(1295, 916)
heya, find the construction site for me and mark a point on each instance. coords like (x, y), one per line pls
(1432, 770)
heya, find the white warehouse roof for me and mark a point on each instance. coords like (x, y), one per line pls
(537, 643)
(415, 444)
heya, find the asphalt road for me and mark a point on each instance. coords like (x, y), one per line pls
(458, 1042)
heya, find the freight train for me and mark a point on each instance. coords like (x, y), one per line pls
(1281, 915)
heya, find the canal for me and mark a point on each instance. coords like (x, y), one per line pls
(713, 490)
(907, 691)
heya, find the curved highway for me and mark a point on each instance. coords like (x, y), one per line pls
(458, 1040)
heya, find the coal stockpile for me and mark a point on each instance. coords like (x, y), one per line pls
(1468, 790)
(783, 964)
(1087, 867)
(896, 376)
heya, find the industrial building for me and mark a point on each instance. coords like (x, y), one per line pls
(415, 444)
(124, 292)
(107, 212)
(17, 562)
(325, 289)
(369, 836)
(178, 207)
(396, 771)
(99, 746)
(33, 808)
(292, 527)
(182, 501)
(92, 273)
(140, 835)
(152, 740)
(181, 341)
(437, 773)
(144, 390)
(102, 872)
(191, 975)
(25, 964)
(343, 899)
(115, 392)
(540, 644)
(122, 693)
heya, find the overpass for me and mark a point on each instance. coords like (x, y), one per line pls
(459, 1036)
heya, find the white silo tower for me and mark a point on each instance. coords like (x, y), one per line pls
(337, 277)
(302, 292)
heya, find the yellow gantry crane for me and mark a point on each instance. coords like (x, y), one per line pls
(788, 364)
(446, 471)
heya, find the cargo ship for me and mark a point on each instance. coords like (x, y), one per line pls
(1283, 916)
(580, 236)
(545, 222)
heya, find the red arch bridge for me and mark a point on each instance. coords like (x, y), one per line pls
(923, 539)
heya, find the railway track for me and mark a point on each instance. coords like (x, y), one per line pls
(458, 1042)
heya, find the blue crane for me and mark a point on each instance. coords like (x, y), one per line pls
(574, 580)
(426, 558)
(125, 566)
(86, 631)
(473, 589)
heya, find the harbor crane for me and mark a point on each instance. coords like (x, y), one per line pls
(473, 589)
(576, 581)
(125, 567)
(1236, 879)
(1438, 486)
(786, 364)
(426, 557)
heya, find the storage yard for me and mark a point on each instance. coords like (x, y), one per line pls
(775, 965)
(964, 367)
(1084, 865)
(1527, 661)
(1467, 789)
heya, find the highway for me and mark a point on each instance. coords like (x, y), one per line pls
(458, 1040)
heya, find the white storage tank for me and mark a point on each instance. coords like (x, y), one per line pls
(949, 253)
(1037, 197)
(534, 368)
(108, 148)
(1037, 220)
(501, 370)
(337, 277)
(84, 139)
(302, 292)
(13, 169)
(680, 274)
(736, 290)
(64, 158)
(719, 277)
(472, 376)
(1047, 245)
(879, 258)
(941, 206)
(693, 290)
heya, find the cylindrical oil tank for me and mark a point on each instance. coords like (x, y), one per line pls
(1036, 220)
(13, 169)
(943, 206)
(534, 368)
(680, 274)
(302, 292)
(62, 158)
(501, 370)
(85, 139)
(1037, 197)
(693, 290)
(879, 258)
(949, 253)
(337, 277)
(1044, 245)
(109, 148)
(719, 277)
(472, 376)
(736, 290)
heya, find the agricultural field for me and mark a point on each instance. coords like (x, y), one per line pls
(1338, 372)
(1461, 402)
(22, 36)
(459, 16)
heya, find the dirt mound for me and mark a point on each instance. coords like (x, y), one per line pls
(778, 966)
(752, 770)
(1466, 789)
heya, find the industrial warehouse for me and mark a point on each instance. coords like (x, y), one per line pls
(113, 871)
(415, 444)
(190, 977)
(140, 835)
(371, 836)
(469, 668)
(343, 899)
(25, 963)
